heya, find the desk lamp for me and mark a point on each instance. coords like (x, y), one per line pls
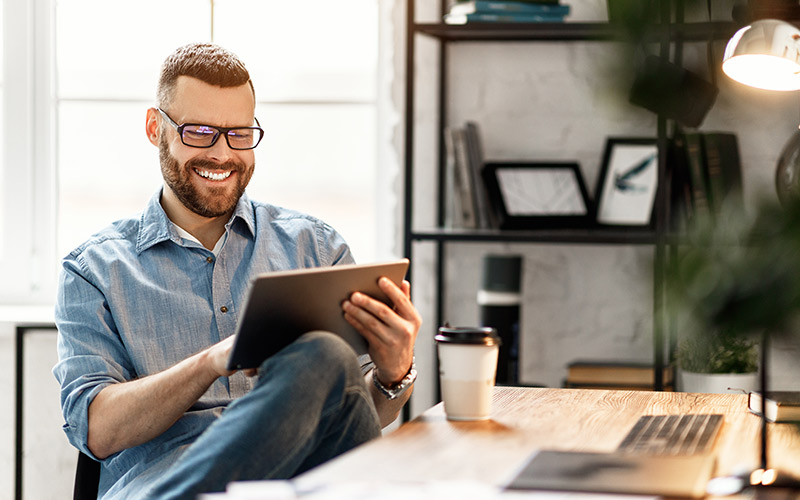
(766, 55)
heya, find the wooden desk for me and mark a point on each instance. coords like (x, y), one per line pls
(524, 419)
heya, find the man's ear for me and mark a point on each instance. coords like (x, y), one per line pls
(153, 126)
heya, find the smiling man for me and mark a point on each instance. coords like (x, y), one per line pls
(147, 309)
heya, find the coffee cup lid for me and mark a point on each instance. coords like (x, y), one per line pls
(479, 335)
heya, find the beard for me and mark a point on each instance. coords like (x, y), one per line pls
(209, 202)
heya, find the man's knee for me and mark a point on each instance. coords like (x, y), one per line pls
(326, 347)
(322, 354)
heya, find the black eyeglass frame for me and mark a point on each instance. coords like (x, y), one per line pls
(221, 131)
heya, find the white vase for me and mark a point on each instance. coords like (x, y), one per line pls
(717, 383)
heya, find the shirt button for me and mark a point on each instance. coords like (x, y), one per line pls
(209, 259)
(223, 309)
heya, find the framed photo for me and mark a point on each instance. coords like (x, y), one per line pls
(627, 183)
(537, 195)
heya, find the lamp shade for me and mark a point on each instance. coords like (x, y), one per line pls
(765, 55)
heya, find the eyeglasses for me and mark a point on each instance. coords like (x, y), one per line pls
(197, 135)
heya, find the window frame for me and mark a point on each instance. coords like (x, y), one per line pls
(27, 258)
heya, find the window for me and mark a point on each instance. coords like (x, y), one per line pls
(315, 78)
(316, 90)
(2, 123)
(85, 71)
(28, 180)
(107, 74)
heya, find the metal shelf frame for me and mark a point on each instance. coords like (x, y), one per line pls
(666, 35)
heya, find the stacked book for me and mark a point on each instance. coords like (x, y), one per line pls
(506, 11)
(706, 174)
(467, 203)
(782, 406)
(617, 375)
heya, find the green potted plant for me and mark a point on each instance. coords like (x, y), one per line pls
(717, 362)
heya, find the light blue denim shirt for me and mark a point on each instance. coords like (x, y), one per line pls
(137, 298)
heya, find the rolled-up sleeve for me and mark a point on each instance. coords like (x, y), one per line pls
(90, 352)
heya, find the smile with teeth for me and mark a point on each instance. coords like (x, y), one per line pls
(214, 176)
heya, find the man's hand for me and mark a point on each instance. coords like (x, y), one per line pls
(131, 413)
(218, 355)
(390, 331)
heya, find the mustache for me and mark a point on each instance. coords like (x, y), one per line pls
(204, 164)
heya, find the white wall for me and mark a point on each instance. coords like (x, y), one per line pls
(559, 101)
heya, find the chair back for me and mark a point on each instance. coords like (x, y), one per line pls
(87, 478)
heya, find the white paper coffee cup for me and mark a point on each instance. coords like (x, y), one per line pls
(467, 369)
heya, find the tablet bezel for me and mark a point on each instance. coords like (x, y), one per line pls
(280, 307)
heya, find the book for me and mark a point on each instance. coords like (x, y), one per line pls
(453, 217)
(680, 206)
(706, 174)
(502, 7)
(724, 168)
(782, 406)
(695, 157)
(464, 183)
(617, 373)
(509, 17)
(485, 218)
(536, 2)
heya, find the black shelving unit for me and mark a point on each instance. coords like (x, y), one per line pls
(665, 34)
(588, 236)
(566, 32)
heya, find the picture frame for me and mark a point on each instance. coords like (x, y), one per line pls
(627, 182)
(530, 195)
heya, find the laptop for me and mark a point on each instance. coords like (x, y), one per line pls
(666, 455)
(283, 305)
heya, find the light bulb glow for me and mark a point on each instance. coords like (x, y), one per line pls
(764, 71)
(765, 55)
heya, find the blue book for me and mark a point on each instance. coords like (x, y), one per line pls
(510, 17)
(501, 7)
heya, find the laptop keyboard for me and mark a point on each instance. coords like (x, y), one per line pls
(672, 434)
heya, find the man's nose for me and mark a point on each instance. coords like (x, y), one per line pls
(220, 150)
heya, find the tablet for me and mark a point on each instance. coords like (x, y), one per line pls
(283, 305)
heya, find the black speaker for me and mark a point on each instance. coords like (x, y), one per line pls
(500, 299)
(670, 90)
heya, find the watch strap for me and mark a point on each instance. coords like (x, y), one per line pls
(396, 390)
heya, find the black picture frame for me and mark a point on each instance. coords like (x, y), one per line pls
(534, 195)
(627, 183)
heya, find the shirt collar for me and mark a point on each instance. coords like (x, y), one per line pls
(155, 226)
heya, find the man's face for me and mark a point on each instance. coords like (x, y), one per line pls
(207, 181)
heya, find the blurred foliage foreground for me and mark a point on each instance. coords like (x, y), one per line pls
(737, 278)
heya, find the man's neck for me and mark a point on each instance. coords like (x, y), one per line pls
(207, 230)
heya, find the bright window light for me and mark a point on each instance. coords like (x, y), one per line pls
(316, 86)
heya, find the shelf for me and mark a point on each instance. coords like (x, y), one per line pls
(598, 235)
(570, 31)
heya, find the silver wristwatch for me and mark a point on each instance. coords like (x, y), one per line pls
(399, 388)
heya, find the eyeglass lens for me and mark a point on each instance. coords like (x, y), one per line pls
(205, 136)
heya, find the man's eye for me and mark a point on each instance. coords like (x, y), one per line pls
(199, 132)
(240, 134)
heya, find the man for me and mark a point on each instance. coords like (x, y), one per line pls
(147, 307)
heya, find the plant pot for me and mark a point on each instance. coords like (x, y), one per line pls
(717, 383)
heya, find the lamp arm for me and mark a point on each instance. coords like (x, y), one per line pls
(764, 354)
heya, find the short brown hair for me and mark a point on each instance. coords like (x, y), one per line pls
(205, 61)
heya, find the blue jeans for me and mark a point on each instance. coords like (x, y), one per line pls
(309, 405)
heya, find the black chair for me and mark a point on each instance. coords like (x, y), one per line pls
(87, 478)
